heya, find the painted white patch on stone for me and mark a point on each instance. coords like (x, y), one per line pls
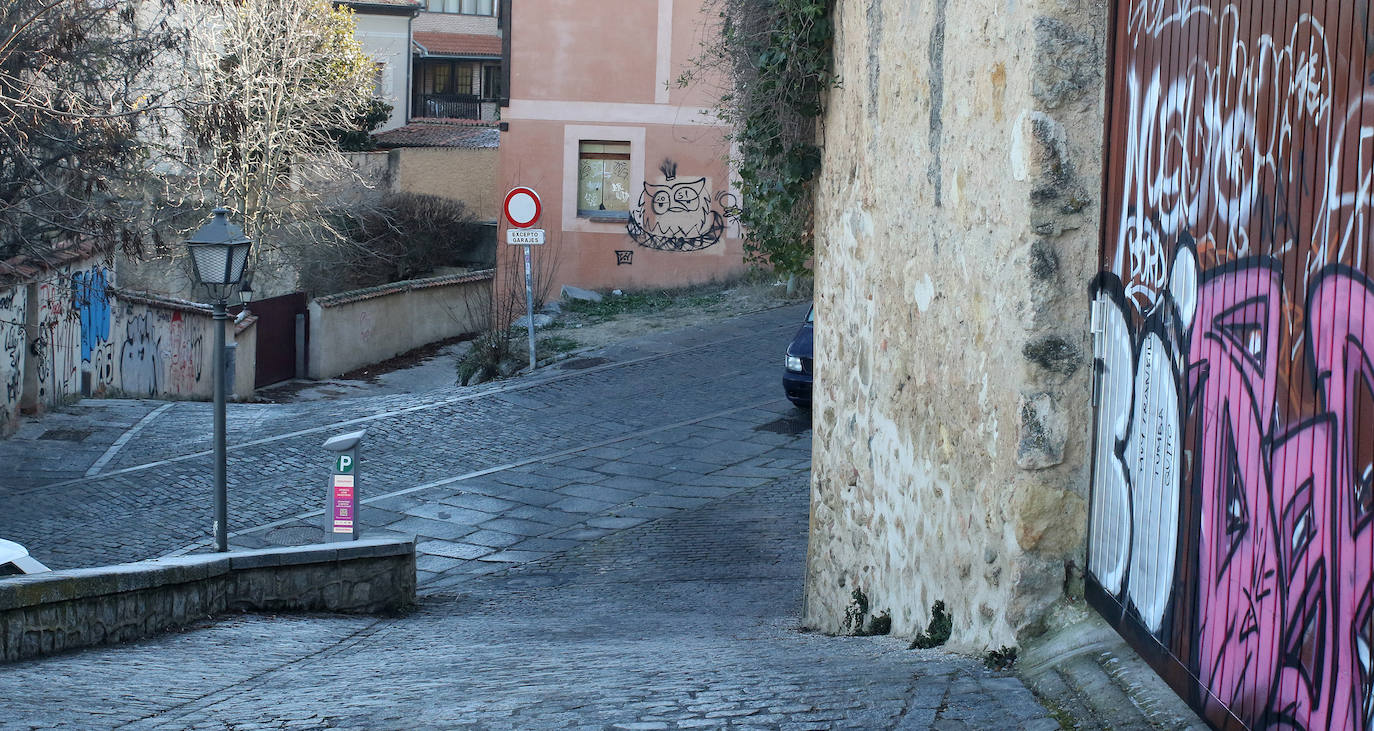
(1183, 285)
(1020, 164)
(923, 293)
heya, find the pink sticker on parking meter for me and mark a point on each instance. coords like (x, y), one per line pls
(343, 503)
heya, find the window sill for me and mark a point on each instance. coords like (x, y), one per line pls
(605, 219)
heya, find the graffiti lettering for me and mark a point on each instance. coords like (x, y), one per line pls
(90, 292)
(139, 360)
(1233, 479)
(184, 363)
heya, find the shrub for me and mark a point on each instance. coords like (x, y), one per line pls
(408, 236)
(938, 631)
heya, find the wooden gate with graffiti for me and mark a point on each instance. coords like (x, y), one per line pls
(1230, 534)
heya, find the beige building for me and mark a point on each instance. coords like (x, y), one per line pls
(630, 169)
(384, 29)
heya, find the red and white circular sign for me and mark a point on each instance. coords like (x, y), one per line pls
(522, 207)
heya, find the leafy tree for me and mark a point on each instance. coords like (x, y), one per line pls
(78, 90)
(358, 138)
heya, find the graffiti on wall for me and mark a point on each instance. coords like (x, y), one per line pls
(185, 362)
(91, 298)
(12, 310)
(84, 345)
(163, 352)
(56, 354)
(1233, 478)
(678, 214)
(73, 350)
(140, 359)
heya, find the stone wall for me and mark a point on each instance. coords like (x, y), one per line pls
(41, 614)
(957, 232)
(462, 174)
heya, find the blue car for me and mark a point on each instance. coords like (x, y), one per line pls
(796, 378)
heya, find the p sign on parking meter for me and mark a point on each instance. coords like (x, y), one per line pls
(342, 511)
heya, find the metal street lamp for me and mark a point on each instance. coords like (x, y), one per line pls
(219, 255)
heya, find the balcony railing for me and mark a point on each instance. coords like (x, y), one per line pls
(448, 106)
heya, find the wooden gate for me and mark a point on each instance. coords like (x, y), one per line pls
(1230, 533)
(277, 343)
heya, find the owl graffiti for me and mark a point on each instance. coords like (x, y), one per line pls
(676, 215)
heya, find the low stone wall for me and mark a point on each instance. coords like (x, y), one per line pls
(41, 614)
(353, 329)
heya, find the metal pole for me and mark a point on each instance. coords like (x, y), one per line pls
(221, 491)
(529, 303)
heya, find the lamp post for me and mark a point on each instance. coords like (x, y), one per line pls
(219, 254)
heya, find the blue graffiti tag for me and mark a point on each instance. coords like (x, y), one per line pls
(91, 298)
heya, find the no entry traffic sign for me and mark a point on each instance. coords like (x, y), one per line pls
(522, 207)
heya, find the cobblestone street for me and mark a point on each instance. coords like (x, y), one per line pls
(615, 543)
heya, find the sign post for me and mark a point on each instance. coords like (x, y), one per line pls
(522, 209)
(342, 513)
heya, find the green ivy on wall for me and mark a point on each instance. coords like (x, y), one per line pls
(777, 55)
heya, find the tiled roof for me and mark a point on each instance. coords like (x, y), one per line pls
(363, 4)
(458, 44)
(21, 269)
(442, 133)
(381, 290)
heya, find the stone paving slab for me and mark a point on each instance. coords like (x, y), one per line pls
(689, 621)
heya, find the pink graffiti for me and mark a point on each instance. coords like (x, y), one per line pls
(184, 363)
(1284, 561)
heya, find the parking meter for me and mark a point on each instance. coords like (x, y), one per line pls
(341, 514)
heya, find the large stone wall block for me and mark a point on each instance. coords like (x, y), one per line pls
(1042, 434)
(957, 229)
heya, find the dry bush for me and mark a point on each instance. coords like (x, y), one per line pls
(406, 237)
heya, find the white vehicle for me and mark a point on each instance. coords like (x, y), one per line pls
(15, 559)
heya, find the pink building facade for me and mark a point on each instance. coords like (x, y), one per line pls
(631, 170)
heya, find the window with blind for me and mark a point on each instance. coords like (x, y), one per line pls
(446, 78)
(464, 7)
(603, 179)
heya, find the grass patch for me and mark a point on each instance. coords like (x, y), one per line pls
(612, 306)
(547, 347)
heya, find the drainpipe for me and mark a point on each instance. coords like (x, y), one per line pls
(410, 67)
